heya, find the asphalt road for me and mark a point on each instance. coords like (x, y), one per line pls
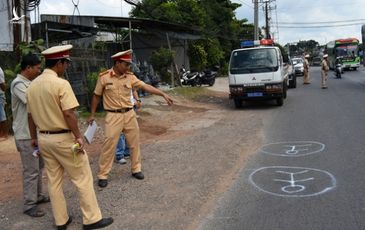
(315, 180)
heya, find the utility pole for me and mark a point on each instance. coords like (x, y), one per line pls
(256, 19)
(16, 26)
(267, 27)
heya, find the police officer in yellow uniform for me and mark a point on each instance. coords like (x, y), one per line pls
(115, 86)
(324, 71)
(306, 79)
(51, 104)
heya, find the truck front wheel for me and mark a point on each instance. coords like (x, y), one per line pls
(237, 103)
(280, 101)
(285, 88)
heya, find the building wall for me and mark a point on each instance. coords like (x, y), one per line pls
(6, 29)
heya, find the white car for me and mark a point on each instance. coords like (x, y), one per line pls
(298, 66)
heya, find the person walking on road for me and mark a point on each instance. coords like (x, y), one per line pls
(324, 71)
(51, 104)
(32, 163)
(306, 78)
(115, 86)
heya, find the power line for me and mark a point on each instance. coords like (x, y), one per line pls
(107, 5)
(323, 22)
(246, 4)
(322, 26)
(296, 6)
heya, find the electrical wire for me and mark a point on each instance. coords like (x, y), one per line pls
(107, 5)
(322, 26)
(244, 3)
(30, 6)
(323, 22)
(285, 9)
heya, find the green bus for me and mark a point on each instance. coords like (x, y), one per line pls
(348, 49)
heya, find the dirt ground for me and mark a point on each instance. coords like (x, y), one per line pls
(191, 152)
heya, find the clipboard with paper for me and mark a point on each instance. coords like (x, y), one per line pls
(90, 132)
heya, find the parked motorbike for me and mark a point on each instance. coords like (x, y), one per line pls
(338, 69)
(207, 77)
(188, 78)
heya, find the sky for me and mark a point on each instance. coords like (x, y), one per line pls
(287, 11)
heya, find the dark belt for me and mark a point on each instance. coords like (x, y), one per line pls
(119, 110)
(55, 132)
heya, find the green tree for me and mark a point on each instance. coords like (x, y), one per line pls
(161, 60)
(284, 53)
(205, 53)
(186, 12)
(222, 31)
(301, 47)
(222, 23)
(198, 57)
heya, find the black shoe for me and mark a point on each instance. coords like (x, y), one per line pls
(34, 212)
(138, 175)
(100, 224)
(103, 183)
(43, 199)
(64, 227)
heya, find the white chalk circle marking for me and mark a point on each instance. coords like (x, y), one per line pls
(286, 181)
(292, 148)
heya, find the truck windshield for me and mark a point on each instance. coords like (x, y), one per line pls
(254, 61)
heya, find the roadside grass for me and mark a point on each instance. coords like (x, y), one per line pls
(191, 93)
(82, 112)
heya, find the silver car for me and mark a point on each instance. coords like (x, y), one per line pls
(298, 66)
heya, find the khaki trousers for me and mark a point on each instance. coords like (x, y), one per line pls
(115, 124)
(58, 158)
(324, 78)
(306, 76)
(32, 174)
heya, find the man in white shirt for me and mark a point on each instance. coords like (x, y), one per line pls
(3, 130)
(31, 160)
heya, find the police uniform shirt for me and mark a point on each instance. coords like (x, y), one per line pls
(325, 65)
(116, 90)
(48, 95)
(18, 90)
(306, 64)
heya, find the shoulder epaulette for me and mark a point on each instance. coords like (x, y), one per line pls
(103, 73)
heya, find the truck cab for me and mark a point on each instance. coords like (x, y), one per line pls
(257, 73)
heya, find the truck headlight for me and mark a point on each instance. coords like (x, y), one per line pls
(274, 87)
(235, 90)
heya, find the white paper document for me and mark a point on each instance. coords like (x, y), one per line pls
(90, 132)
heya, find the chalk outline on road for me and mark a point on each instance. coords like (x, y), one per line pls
(292, 142)
(333, 181)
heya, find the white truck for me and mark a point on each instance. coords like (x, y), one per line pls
(257, 73)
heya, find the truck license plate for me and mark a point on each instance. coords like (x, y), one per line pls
(254, 94)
